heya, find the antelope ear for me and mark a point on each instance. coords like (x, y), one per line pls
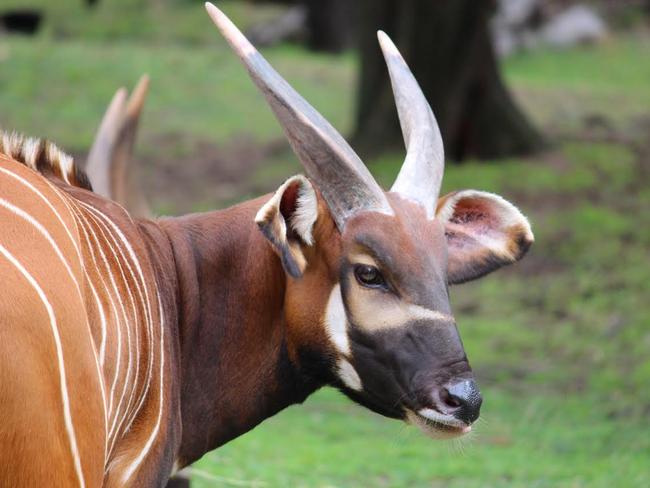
(287, 220)
(484, 232)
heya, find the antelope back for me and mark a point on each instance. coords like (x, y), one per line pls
(82, 330)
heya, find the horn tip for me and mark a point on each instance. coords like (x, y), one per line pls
(119, 99)
(138, 95)
(387, 45)
(144, 79)
(217, 16)
(143, 84)
(232, 34)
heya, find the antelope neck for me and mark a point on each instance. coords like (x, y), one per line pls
(232, 359)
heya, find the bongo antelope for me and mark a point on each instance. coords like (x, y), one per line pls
(129, 348)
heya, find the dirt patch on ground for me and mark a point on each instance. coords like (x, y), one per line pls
(184, 175)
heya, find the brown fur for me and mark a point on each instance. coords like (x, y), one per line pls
(32, 410)
(243, 339)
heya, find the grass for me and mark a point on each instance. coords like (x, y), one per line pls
(608, 83)
(145, 21)
(526, 441)
(559, 342)
(72, 82)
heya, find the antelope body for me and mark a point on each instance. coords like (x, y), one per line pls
(85, 368)
(131, 347)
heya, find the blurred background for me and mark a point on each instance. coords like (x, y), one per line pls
(544, 102)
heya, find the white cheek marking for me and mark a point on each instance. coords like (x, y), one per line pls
(373, 313)
(348, 375)
(386, 314)
(336, 322)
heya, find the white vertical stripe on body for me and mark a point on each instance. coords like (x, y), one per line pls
(67, 415)
(87, 228)
(64, 198)
(43, 231)
(133, 385)
(111, 438)
(26, 183)
(75, 245)
(104, 239)
(143, 296)
(128, 472)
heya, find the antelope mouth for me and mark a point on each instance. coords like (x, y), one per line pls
(437, 425)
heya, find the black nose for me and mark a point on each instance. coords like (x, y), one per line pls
(462, 400)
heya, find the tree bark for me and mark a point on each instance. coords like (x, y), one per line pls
(330, 24)
(448, 47)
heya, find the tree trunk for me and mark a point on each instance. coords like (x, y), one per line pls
(448, 47)
(330, 24)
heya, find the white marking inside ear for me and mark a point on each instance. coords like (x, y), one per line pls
(265, 213)
(336, 322)
(506, 212)
(348, 375)
(304, 218)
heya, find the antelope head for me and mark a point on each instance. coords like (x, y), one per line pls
(368, 271)
(109, 165)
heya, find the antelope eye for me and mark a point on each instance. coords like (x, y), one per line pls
(369, 276)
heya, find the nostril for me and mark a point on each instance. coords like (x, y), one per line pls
(462, 400)
(451, 401)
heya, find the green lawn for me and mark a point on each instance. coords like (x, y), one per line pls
(202, 92)
(610, 82)
(560, 343)
(524, 440)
